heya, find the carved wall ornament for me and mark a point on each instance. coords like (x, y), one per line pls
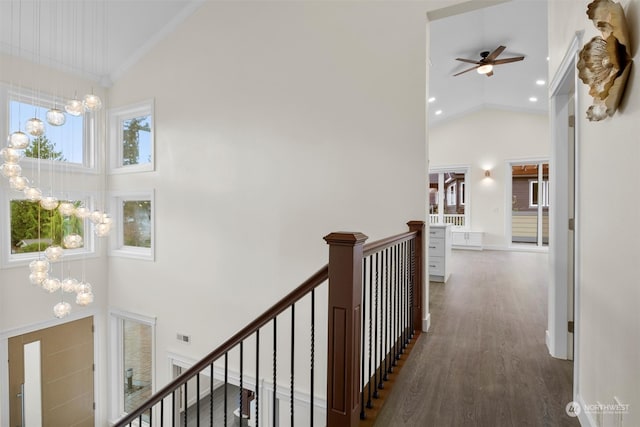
(605, 61)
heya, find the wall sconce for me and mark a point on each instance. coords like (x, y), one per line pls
(487, 173)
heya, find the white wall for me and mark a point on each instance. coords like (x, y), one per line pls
(608, 318)
(276, 124)
(488, 139)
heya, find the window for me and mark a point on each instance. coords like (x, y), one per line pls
(533, 194)
(31, 229)
(64, 143)
(451, 195)
(132, 141)
(132, 360)
(135, 225)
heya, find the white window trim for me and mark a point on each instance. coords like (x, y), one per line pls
(116, 360)
(43, 100)
(463, 194)
(116, 117)
(117, 247)
(9, 260)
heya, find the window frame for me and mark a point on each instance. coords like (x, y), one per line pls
(116, 353)
(117, 116)
(45, 101)
(18, 260)
(118, 248)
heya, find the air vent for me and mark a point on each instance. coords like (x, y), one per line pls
(184, 338)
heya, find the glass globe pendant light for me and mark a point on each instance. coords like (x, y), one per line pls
(18, 183)
(66, 209)
(62, 309)
(72, 241)
(18, 140)
(69, 284)
(38, 277)
(92, 102)
(10, 170)
(53, 253)
(39, 265)
(49, 203)
(35, 127)
(51, 284)
(56, 117)
(82, 212)
(74, 107)
(11, 155)
(84, 294)
(33, 193)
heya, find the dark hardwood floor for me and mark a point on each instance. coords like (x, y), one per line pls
(484, 361)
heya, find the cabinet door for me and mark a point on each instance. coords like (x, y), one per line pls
(458, 238)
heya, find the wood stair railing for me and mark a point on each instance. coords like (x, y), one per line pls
(374, 311)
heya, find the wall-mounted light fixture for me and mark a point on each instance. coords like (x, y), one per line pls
(487, 173)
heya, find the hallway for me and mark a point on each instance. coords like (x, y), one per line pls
(484, 361)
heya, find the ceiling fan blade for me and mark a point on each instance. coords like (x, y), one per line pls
(507, 60)
(470, 61)
(466, 71)
(493, 55)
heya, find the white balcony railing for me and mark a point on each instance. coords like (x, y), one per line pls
(457, 220)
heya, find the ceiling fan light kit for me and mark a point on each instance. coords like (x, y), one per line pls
(488, 61)
(605, 61)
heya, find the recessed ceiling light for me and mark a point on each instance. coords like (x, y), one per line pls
(547, 58)
(540, 82)
(533, 99)
(438, 112)
(433, 98)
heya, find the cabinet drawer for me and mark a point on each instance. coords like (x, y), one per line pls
(436, 232)
(436, 266)
(436, 247)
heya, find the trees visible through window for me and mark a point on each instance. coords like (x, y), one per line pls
(136, 141)
(131, 138)
(33, 228)
(136, 225)
(63, 143)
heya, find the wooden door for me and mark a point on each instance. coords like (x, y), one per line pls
(66, 374)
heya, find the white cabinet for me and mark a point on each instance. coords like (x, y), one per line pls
(466, 239)
(439, 252)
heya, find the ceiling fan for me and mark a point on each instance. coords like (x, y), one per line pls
(486, 64)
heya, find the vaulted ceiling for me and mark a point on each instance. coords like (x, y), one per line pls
(71, 35)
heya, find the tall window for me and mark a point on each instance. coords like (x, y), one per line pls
(132, 360)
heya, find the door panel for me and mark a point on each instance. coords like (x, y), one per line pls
(67, 374)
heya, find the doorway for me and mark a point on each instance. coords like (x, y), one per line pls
(530, 203)
(51, 376)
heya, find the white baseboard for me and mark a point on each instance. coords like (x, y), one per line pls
(426, 323)
(547, 341)
(585, 418)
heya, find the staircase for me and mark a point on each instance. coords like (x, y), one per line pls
(362, 310)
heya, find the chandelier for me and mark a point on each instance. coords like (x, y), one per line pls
(19, 140)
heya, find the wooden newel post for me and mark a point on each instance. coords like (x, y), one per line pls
(343, 359)
(419, 277)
